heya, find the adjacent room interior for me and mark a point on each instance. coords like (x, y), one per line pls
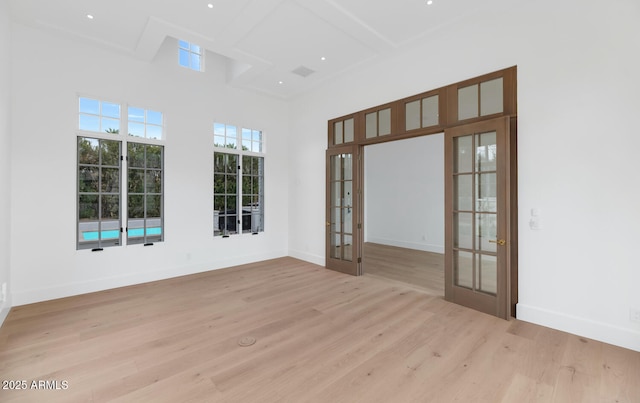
(404, 211)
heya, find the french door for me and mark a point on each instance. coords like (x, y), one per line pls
(343, 209)
(477, 221)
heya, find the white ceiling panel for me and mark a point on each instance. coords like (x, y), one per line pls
(264, 40)
(292, 36)
(401, 21)
(116, 25)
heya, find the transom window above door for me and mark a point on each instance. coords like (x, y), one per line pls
(343, 131)
(473, 100)
(378, 123)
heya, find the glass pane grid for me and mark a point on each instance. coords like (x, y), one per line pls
(225, 136)
(483, 99)
(378, 123)
(145, 192)
(238, 193)
(190, 55)
(145, 123)
(98, 193)
(341, 212)
(475, 213)
(251, 140)
(98, 116)
(252, 194)
(422, 113)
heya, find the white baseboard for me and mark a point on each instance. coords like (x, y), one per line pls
(619, 336)
(67, 290)
(308, 257)
(407, 245)
(4, 309)
(4, 312)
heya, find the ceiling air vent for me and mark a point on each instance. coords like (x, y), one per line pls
(303, 71)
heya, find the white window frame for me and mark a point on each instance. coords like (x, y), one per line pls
(226, 144)
(101, 116)
(102, 231)
(124, 171)
(144, 230)
(148, 123)
(225, 136)
(191, 49)
(252, 139)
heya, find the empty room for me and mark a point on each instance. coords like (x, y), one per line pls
(195, 196)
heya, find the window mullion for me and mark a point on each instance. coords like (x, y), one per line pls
(144, 197)
(239, 195)
(237, 161)
(124, 175)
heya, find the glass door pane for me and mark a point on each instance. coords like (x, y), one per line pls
(475, 224)
(341, 198)
(475, 254)
(343, 235)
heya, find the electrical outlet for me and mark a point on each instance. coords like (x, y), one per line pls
(634, 315)
(3, 294)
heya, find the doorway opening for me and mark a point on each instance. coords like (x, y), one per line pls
(479, 119)
(404, 230)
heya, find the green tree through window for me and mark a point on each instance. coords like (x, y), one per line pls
(98, 193)
(103, 189)
(144, 193)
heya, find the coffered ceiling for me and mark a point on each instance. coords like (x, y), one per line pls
(264, 41)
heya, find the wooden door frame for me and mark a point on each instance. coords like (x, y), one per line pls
(353, 267)
(498, 305)
(448, 118)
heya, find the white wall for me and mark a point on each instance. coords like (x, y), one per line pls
(578, 108)
(5, 153)
(404, 193)
(48, 74)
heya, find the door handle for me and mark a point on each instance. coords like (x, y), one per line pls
(500, 242)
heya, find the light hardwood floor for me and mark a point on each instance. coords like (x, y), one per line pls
(320, 336)
(424, 270)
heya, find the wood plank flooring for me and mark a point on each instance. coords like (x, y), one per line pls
(424, 270)
(320, 336)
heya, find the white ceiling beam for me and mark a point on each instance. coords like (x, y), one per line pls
(336, 15)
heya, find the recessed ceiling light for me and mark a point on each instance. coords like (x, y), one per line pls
(210, 5)
(280, 82)
(89, 16)
(323, 58)
(430, 2)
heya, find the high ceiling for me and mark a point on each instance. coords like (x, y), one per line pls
(264, 40)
